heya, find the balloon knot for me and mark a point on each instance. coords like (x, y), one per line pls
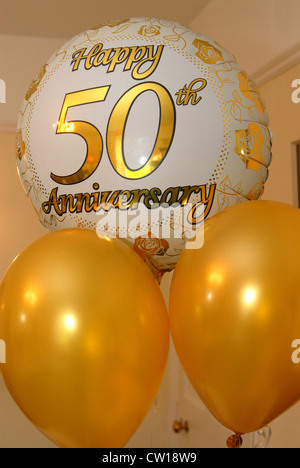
(235, 441)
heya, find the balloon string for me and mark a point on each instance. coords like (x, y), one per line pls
(235, 441)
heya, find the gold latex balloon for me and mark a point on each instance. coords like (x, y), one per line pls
(87, 336)
(235, 313)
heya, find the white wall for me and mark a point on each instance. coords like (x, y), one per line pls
(257, 32)
(285, 126)
(19, 226)
(21, 58)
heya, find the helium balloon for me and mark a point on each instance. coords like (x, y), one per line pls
(87, 334)
(235, 314)
(140, 128)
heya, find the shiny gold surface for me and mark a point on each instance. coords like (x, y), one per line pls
(87, 335)
(235, 311)
(86, 130)
(116, 129)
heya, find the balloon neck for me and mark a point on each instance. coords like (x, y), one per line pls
(235, 441)
(158, 274)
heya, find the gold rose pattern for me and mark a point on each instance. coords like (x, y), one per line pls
(149, 246)
(250, 138)
(245, 121)
(149, 31)
(248, 145)
(207, 52)
(35, 83)
(158, 251)
(246, 102)
(250, 91)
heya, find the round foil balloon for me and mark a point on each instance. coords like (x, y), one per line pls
(142, 128)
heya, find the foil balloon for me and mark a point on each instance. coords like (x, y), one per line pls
(235, 314)
(86, 348)
(142, 128)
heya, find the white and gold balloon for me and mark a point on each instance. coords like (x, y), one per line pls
(139, 117)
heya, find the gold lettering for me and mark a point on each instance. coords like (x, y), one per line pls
(135, 199)
(83, 202)
(95, 195)
(188, 94)
(142, 193)
(119, 56)
(154, 58)
(94, 52)
(170, 196)
(154, 193)
(103, 58)
(109, 199)
(77, 57)
(207, 200)
(187, 192)
(125, 199)
(52, 203)
(67, 203)
(135, 56)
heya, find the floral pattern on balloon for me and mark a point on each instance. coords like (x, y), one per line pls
(250, 91)
(148, 246)
(207, 52)
(36, 82)
(249, 144)
(149, 31)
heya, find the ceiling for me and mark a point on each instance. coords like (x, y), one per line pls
(65, 18)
